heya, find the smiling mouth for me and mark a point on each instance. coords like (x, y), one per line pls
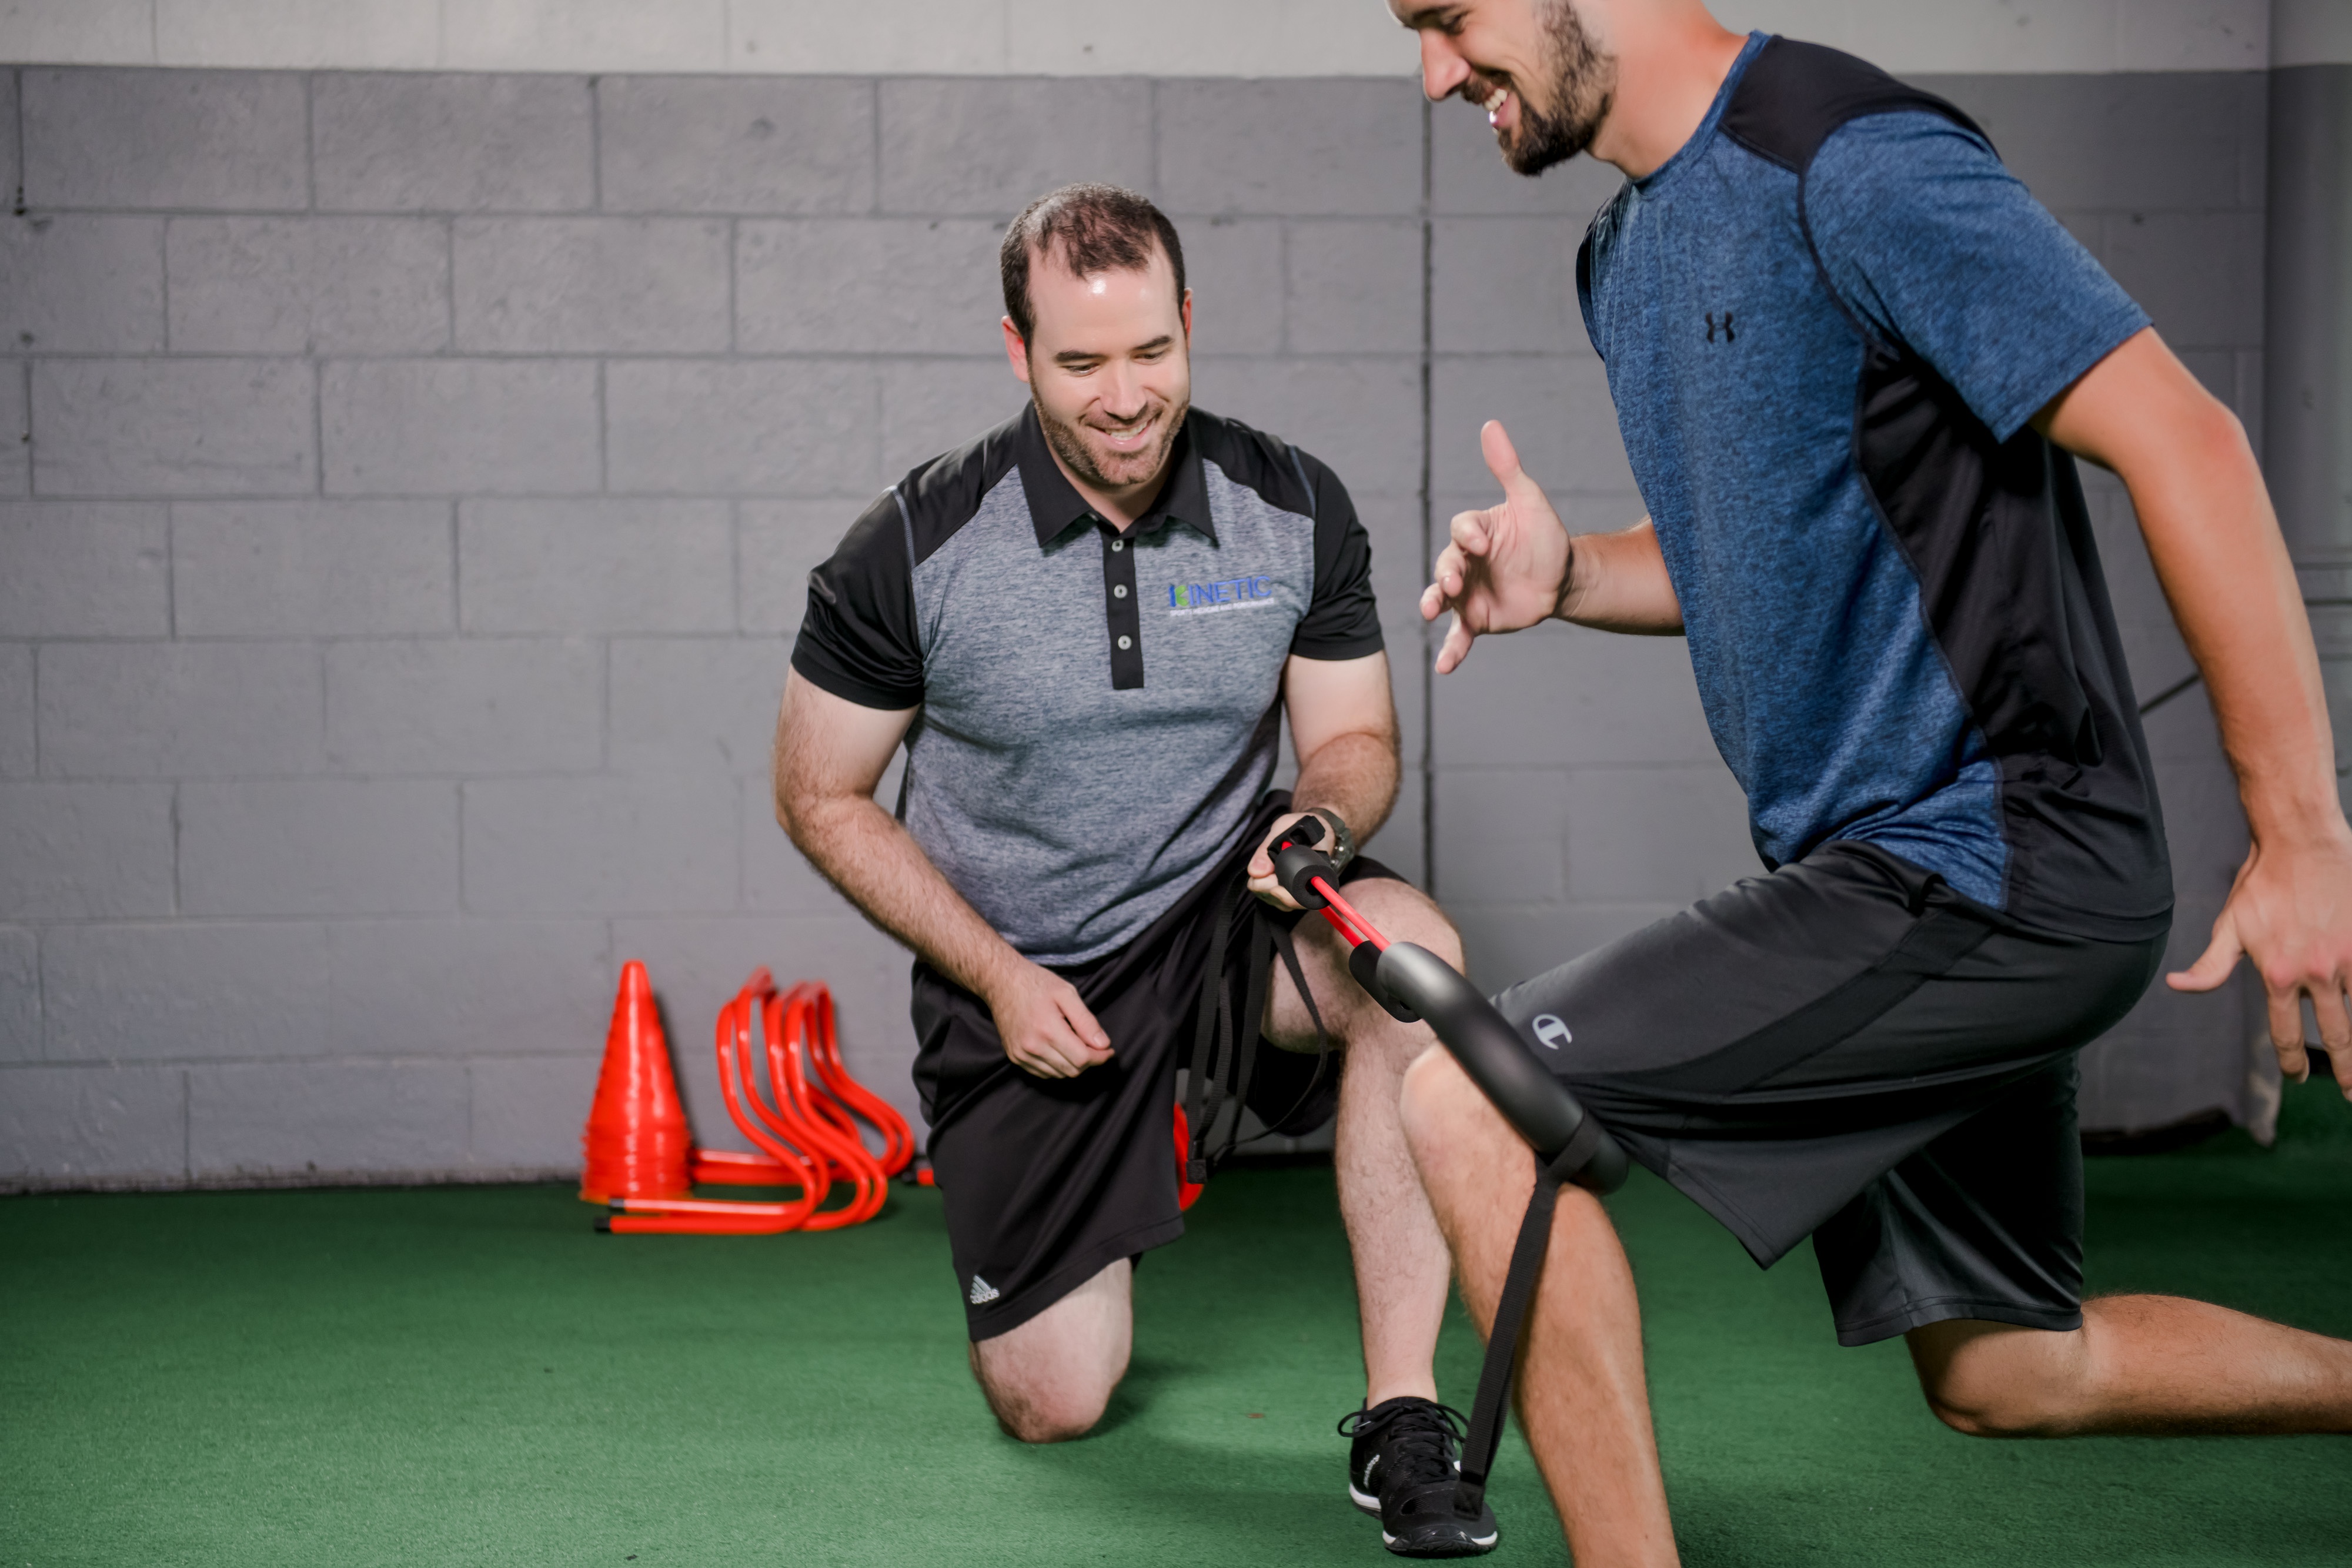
(1129, 438)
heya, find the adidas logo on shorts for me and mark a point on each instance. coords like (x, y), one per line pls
(982, 1292)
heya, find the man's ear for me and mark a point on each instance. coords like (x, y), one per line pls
(1187, 309)
(1016, 348)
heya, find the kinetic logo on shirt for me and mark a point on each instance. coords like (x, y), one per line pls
(1208, 598)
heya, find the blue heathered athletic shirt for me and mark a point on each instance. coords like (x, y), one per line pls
(1735, 376)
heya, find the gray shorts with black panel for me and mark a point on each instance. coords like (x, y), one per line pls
(1848, 1050)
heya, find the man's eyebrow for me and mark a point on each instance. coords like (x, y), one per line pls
(1429, 17)
(1080, 356)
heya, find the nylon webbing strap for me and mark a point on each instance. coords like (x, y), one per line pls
(1225, 1050)
(1493, 1405)
(1203, 1091)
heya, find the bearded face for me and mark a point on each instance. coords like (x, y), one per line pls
(1579, 84)
(1113, 452)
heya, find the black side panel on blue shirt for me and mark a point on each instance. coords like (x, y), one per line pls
(2000, 538)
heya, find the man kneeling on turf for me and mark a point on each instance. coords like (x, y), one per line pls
(1087, 625)
(1851, 357)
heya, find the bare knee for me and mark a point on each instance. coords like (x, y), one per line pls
(1406, 913)
(1050, 1379)
(1050, 1412)
(1997, 1380)
(1449, 1126)
(1436, 1099)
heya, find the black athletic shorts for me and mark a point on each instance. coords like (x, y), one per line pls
(1047, 1180)
(1849, 1049)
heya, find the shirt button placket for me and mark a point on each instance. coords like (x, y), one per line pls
(1120, 616)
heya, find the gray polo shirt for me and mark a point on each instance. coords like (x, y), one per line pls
(1101, 710)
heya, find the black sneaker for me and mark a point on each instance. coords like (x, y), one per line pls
(1402, 1470)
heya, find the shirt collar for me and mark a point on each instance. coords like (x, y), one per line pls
(1055, 503)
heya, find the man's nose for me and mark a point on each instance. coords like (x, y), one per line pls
(1122, 394)
(1441, 69)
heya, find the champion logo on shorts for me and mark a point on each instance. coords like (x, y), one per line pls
(982, 1292)
(1552, 1031)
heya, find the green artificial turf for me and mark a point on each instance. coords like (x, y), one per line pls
(473, 1375)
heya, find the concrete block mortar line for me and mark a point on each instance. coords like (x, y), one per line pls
(18, 85)
(456, 564)
(310, 139)
(164, 276)
(595, 196)
(1428, 681)
(735, 557)
(1282, 272)
(31, 445)
(319, 424)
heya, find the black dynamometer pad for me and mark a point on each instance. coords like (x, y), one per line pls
(1847, 1048)
(1046, 1180)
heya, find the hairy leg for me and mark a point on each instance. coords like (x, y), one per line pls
(2146, 1365)
(1049, 1380)
(1583, 1401)
(1400, 1255)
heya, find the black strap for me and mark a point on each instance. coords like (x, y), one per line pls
(1212, 1032)
(1494, 1401)
(1224, 1048)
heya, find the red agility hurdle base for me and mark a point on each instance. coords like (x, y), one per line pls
(640, 1157)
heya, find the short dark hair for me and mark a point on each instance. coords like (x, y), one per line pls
(1096, 227)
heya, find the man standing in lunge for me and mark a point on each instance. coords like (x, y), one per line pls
(1853, 363)
(1087, 626)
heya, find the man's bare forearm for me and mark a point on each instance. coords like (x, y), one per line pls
(2218, 554)
(867, 854)
(1356, 776)
(1618, 582)
(2215, 543)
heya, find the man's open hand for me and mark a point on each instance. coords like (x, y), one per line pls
(1046, 1028)
(1507, 566)
(2290, 911)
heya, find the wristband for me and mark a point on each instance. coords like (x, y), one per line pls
(1343, 842)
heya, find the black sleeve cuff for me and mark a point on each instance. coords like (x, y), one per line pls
(1334, 649)
(819, 671)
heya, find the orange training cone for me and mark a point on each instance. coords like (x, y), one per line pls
(636, 1143)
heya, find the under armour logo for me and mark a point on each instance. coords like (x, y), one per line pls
(982, 1292)
(1551, 1031)
(1729, 336)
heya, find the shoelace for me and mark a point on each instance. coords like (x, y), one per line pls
(1419, 1439)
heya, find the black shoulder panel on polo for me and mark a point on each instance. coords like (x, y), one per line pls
(859, 638)
(942, 495)
(1793, 95)
(1343, 622)
(1251, 457)
(1999, 538)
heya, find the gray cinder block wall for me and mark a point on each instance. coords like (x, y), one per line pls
(412, 477)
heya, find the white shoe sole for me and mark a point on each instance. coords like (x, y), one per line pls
(1481, 1542)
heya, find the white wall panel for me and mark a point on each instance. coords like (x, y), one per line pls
(1094, 37)
(297, 35)
(2310, 32)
